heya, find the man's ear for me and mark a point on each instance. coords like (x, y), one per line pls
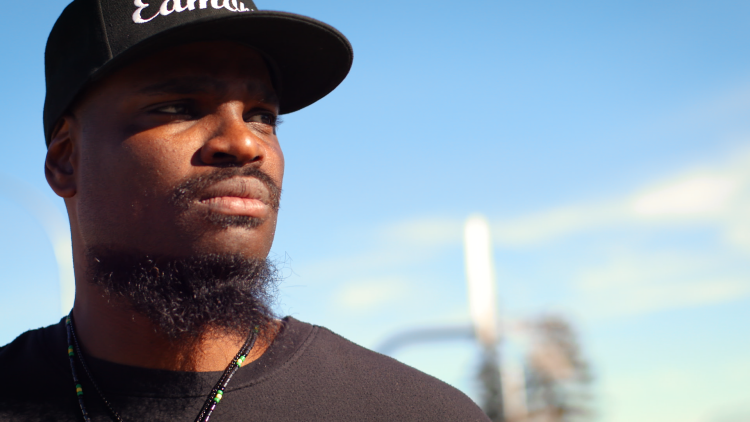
(60, 165)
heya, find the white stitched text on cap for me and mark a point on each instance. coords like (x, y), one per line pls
(169, 6)
(224, 3)
(137, 14)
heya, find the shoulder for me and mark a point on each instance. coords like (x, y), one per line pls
(370, 380)
(26, 348)
(38, 373)
(36, 352)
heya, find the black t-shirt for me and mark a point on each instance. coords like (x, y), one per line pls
(308, 374)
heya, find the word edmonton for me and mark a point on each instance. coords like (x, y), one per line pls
(177, 6)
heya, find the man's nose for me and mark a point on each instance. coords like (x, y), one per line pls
(232, 141)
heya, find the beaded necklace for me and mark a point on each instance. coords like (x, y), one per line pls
(208, 407)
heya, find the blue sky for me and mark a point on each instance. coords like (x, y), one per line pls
(607, 144)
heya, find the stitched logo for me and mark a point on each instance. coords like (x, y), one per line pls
(169, 6)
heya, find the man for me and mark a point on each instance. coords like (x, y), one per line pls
(160, 121)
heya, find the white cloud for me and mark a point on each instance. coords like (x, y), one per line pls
(435, 232)
(391, 245)
(703, 194)
(652, 298)
(368, 294)
(641, 284)
(542, 227)
(717, 196)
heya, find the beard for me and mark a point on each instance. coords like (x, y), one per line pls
(186, 296)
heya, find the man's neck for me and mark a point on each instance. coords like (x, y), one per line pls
(110, 331)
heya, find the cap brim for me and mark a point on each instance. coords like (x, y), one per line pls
(308, 58)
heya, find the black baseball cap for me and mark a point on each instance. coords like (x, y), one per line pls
(92, 38)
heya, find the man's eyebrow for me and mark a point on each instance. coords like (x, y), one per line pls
(189, 85)
(206, 84)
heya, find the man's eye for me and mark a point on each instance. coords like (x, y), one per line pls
(265, 118)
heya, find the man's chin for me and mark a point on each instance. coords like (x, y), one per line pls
(226, 221)
(185, 296)
(237, 241)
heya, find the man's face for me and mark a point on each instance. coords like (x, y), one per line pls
(177, 155)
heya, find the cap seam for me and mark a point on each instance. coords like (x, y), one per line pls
(104, 28)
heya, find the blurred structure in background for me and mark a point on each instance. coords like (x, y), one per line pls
(550, 382)
(557, 380)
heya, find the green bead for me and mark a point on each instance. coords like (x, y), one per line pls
(219, 395)
(79, 389)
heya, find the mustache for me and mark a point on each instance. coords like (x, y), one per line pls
(189, 190)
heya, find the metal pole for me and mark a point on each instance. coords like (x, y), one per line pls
(480, 277)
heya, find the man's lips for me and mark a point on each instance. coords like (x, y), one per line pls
(238, 196)
(232, 205)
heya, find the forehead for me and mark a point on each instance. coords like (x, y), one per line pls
(197, 67)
